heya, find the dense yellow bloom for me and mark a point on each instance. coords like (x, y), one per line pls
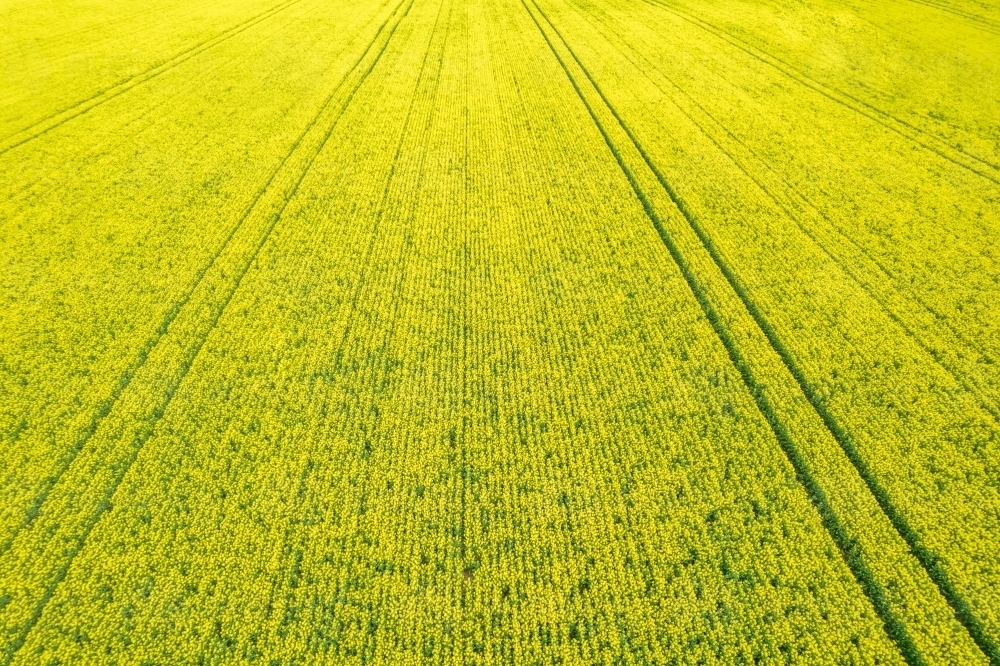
(499, 332)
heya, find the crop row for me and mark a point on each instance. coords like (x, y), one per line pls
(886, 402)
(442, 397)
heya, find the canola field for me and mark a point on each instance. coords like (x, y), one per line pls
(598, 332)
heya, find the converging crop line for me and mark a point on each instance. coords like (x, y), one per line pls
(59, 118)
(286, 542)
(365, 263)
(982, 22)
(858, 106)
(105, 407)
(987, 404)
(193, 352)
(866, 580)
(287, 539)
(928, 560)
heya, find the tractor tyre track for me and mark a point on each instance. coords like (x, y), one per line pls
(986, 404)
(67, 114)
(105, 407)
(839, 535)
(984, 168)
(193, 351)
(928, 560)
